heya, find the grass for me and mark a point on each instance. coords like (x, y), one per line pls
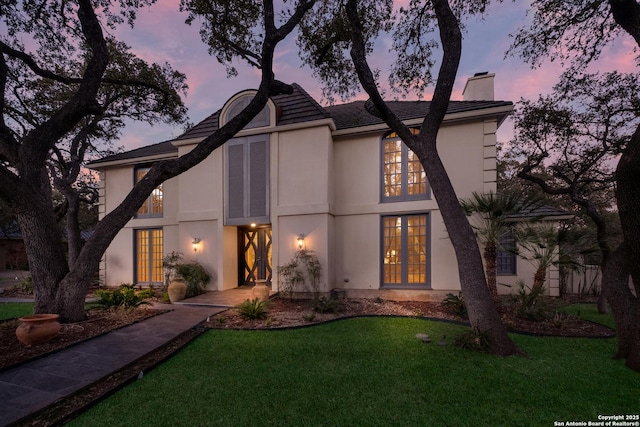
(590, 312)
(11, 310)
(372, 372)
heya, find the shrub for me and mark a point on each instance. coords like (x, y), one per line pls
(124, 296)
(455, 304)
(170, 263)
(473, 339)
(528, 302)
(304, 269)
(291, 277)
(25, 285)
(326, 305)
(253, 309)
(146, 293)
(195, 276)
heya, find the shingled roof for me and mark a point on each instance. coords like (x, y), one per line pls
(300, 107)
(165, 147)
(353, 114)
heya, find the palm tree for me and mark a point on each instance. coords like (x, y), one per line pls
(548, 244)
(490, 218)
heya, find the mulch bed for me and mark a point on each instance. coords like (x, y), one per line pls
(97, 323)
(284, 313)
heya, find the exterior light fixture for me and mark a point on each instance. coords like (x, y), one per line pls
(300, 240)
(196, 244)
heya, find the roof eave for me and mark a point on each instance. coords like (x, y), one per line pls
(498, 112)
(559, 217)
(262, 130)
(132, 161)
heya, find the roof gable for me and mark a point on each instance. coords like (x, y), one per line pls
(297, 107)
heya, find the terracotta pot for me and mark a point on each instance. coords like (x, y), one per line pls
(177, 289)
(38, 328)
(260, 290)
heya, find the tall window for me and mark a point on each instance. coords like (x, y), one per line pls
(247, 184)
(405, 253)
(149, 249)
(403, 177)
(153, 206)
(506, 255)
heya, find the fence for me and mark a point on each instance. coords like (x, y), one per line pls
(583, 281)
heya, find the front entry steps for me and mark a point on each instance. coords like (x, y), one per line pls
(229, 298)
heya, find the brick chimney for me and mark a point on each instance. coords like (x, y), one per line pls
(479, 87)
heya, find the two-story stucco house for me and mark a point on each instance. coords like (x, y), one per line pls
(332, 179)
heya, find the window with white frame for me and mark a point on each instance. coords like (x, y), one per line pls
(403, 177)
(405, 251)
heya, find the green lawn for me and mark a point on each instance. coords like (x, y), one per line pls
(372, 372)
(11, 310)
(590, 312)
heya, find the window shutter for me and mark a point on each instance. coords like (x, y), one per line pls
(258, 178)
(236, 174)
(247, 188)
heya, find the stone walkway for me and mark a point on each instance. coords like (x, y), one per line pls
(35, 385)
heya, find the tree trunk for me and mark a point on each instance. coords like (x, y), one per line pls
(602, 303)
(628, 197)
(482, 312)
(45, 252)
(539, 279)
(624, 306)
(74, 240)
(490, 255)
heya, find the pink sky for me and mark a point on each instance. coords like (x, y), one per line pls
(160, 35)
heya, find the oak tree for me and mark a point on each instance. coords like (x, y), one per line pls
(575, 33)
(571, 141)
(67, 49)
(336, 40)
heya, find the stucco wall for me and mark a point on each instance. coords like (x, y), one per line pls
(327, 190)
(119, 257)
(359, 209)
(303, 198)
(303, 168)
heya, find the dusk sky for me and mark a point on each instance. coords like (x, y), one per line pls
(160, 35)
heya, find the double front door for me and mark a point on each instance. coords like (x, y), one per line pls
(254, 255)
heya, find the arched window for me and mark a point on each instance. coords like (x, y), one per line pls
(261, 120)
(403, 177)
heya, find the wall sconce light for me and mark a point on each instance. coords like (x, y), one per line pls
(300, 240)
(196, 244)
